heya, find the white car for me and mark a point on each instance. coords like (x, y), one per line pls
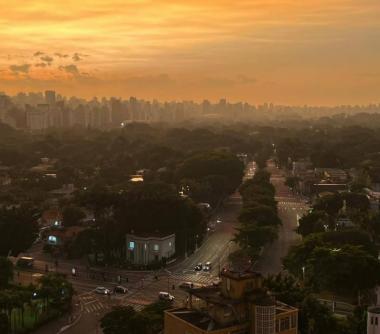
(165, 296)
(207, 266)
(101, 290)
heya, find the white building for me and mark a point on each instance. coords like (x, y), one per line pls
(144, 249)
(373, 320)
(373, 316)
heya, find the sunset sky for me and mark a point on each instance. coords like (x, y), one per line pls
(281, 51)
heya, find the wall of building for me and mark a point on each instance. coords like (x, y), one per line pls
(287, 323)
(235, 289)
(175, 325)
(147, 250)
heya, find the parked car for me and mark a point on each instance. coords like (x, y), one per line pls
(120, 289)
(207, 266)
(101, 290)
(198, 267)
(165, 296)
(186, 285)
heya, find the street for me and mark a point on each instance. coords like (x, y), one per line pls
(290, 209)
(143, 286)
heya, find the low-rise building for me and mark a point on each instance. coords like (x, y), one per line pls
(59, 236)
(240, 306)
(145, 249)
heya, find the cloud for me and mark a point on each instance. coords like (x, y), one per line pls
(38, 53)
(72, 69)
(61, 55)
(78, 56)
(47, 59)
(40, 65)
(16, 69)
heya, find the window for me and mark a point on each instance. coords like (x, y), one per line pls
(170, 244)
(131, 245)
(371, 320)
(53, 240)
(375, 321)
(156, 247)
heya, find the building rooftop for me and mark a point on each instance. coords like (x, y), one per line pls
(153, 235)
(213, 295)
(283, 308)
(374, 309)
(197, 319)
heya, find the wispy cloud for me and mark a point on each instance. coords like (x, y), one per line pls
(47, 59)
(16, 69)
(71, 69)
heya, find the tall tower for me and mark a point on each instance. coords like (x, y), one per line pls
(50, 97)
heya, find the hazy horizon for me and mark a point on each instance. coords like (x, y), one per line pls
(317, 53)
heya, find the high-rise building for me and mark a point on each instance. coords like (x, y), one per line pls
(50, 97)
(37, 118)
(240, 305)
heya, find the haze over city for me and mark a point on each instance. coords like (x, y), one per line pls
(190, 167)
(315, 52)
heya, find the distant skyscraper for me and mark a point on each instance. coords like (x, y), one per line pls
(50, 97)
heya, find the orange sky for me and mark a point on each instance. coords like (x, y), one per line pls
(281, 51)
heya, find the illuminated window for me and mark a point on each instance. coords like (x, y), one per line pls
(52, 239)
(156, 247)
(131, 245)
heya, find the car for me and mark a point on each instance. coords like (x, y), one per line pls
(186, 285)
(101, 290)
(120, 289)
(198, 267)
(165, 296)
(218, 221)
(207, 266)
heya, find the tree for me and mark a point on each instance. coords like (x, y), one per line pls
(4, 323)
(56, 290)
(314, 318)
(72, 215)
(313, 222)
(18, 229)
(6, 272)
(122, 319)
(292, 182)
(260, 214)
(330, 203)
(341, 269)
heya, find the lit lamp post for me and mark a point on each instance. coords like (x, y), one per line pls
(303, 273)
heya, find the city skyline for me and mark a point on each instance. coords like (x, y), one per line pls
(285, 52)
